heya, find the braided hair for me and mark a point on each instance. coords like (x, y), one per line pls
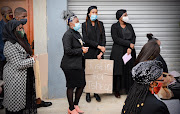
(135, 99)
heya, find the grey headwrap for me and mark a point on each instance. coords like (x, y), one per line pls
(145, 72)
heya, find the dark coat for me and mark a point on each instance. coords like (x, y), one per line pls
(160, 58)
(72, 58)
(88, 37)
(120, 47)
(154, 106)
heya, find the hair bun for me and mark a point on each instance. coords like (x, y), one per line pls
(150, 36)
(67, 14)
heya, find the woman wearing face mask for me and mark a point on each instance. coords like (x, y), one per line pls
(124, 40)
(94, 37)
(73, 62)
(142, 99)
(18, 74)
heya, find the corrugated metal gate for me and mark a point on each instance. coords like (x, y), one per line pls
(160, 17)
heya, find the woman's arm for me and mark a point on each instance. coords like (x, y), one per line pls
(67, 44)
(118, 40)
(13, 55)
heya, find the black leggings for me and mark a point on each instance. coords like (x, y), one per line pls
(78, 94)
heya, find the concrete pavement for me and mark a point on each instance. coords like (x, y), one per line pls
(108, 105)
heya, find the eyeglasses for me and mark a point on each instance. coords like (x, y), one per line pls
(159, 80)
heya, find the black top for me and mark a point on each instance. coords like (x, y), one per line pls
(126, 33)
(154, 106)
(93, 36)
(73, 57)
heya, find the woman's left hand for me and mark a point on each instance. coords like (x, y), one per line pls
(129, 51)
(99, 56)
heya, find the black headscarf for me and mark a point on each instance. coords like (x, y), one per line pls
(119, 13)
(90, 8)
(9, 35)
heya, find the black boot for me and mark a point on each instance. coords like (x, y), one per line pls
(88, 97)
(98, 98)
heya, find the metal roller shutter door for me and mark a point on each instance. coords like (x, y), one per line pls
(160, 17)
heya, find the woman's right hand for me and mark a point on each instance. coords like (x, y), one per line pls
(102, 48)
(35, 57)
(129, 51)
(85, 49)
(132, 46)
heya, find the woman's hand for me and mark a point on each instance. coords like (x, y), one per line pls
(85, 49)
(35, 57)
(132, 46)
(129, 51)
(102, 48)
(99, 56)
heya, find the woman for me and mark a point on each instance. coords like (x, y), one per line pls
(72, 62)
(159, 58)
(18, 74)
(94, 37)
(141, 98)
(124, 40)
(150, 51)
(173, 87)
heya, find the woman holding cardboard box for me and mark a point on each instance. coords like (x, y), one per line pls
(94, 37)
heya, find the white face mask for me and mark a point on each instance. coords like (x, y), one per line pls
(125, 19)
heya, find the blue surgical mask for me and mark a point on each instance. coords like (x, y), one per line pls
(93, 17)
(77, 26)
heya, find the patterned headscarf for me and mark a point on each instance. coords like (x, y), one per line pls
(145, 72)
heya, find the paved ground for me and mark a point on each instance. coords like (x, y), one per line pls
(108, 105)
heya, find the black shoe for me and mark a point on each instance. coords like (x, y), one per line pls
(97, 97)
(44, 104)
(1, 107)
(88, 97)
(117, 95)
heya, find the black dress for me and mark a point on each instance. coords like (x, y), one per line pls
(93, 36)
(122, 37)
(73, 60)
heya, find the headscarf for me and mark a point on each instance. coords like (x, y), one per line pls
(9, 35)
(90, 8)
(119, 13)
(146, 72)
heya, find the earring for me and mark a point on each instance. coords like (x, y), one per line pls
(152, 90)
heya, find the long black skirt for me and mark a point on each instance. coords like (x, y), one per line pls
(31, 106)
